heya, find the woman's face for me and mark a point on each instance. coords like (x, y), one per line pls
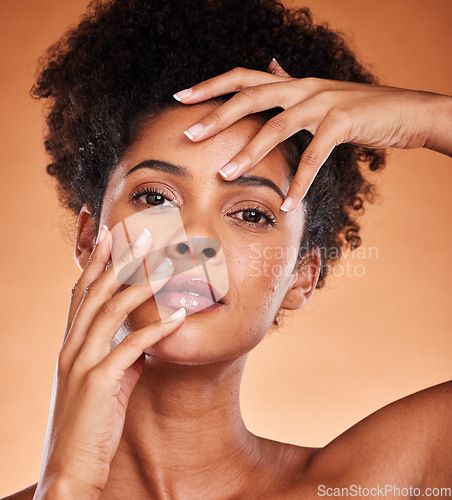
(259, 250)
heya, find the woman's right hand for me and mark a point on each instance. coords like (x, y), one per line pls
(93, 383)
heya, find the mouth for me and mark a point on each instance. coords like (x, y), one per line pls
(193, 294)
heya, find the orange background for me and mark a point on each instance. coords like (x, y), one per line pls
(362, 342)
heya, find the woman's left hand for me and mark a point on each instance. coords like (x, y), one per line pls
(335, 112)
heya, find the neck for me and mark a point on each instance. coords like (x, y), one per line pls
(184, 430)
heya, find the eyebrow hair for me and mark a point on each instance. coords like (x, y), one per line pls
(162, 166)
(182, 172)
(254, 180)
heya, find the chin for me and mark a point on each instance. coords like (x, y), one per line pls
(200, 339)
(205, 339)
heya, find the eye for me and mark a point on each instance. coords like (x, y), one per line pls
(255, 216)
(152, 196)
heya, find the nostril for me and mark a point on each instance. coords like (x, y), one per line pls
(182, 248)
(209, 252)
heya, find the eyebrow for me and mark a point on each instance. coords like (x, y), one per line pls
(162, 166)
(183, 173)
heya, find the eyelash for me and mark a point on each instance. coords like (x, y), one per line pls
(270, 220)
(148, 190)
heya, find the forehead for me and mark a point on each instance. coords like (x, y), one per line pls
(161, 137)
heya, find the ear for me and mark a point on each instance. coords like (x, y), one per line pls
(303, 281)
(85, 236)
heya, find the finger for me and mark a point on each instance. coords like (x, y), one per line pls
(231, 81)
(112, 315)
(276, 69)
(136, 343)
(99, 291)
(314, 156)
(248, 101)
(304, 116)
(129, 381)
(95, 266)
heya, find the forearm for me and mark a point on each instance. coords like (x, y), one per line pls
(440, 133)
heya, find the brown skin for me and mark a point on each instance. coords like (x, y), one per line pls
(193, 407)
(188, 409)
(334, 112)
(184, 436)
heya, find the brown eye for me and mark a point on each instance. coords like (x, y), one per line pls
(255, 217)
(154, 199)
(252, 216)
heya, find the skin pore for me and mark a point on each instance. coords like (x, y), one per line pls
(184, 433)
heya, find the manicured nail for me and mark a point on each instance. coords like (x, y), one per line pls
(143, 238)
(183, 94)
(180, 313)
(286, 206)
(195, 131)
(102, 233)
(164, 266)
(228, 169)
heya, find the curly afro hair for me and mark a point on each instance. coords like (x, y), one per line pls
(126, 58)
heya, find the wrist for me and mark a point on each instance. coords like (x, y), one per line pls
(440, 136)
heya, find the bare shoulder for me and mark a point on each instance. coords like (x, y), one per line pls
(411, 437)
(26, 494)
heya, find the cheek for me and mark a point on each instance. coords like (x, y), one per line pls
(262, 275)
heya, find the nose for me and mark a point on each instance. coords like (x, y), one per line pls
(192, 253)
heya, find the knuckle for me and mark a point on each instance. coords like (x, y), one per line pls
(215, 118)
(108, 307)
(340, 116)
(312, 82)
(131, 340)
(92, 289)
(249, 93)
(277, 124)
(310, 158)
(238, 71)
(327, 96)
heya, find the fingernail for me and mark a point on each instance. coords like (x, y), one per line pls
(143, 238)
(164, 266)
(180, 313)
(195, 131)
(183, 94)
(228, 169)
(285, 207)
(102, 233)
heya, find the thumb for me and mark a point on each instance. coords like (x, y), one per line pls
(130, 379)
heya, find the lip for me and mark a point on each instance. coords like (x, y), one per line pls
(194, 294)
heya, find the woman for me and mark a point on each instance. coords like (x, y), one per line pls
(183, 435)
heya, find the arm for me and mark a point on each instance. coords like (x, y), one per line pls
(441, 130)
(93, 383)
(334, 112)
